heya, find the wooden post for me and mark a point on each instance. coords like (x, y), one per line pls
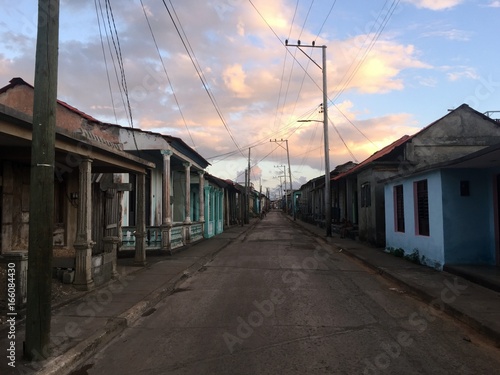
(166, 214)
(41, 219)
(202, 196)
(187, 199)
(83, 242)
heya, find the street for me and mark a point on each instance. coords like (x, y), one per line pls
(280, 301)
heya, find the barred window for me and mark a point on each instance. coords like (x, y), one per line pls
(366, 195)
(422, 207)
(399, 209)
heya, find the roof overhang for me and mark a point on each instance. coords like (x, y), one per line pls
(16, 137)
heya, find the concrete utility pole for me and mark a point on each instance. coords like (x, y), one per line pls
(284, 192)
(328, 203)
(41, 207)
(289, 171)
(247, 182)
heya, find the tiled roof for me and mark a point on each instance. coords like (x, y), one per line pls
(377, 155)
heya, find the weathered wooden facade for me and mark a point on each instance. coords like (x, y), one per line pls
(86, 218)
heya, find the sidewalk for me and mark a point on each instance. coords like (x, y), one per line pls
(471, 303)
(83, 325)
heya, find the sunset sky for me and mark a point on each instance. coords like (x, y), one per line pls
(393, 67)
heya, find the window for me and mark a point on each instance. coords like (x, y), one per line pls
(422, 207)
(366, 195)
(399, 209)
(464, 188)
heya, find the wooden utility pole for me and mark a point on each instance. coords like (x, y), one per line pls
(41, 222)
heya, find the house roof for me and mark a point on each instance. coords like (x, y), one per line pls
(16, 137)
(376, 156)
(463, 107)
(177, 143)
(488, 157)
(181, 146)
(17, 81)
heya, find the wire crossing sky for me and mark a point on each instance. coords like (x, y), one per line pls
(218, 74)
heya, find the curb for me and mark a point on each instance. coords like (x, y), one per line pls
(68, 360)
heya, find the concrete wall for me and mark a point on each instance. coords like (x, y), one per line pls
(469, 236)
(431, 247)
(371, 219)
(459, 133)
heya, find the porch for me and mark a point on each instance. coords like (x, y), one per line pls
(180, 235)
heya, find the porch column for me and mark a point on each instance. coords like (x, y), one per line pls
(202, 195)
(166, 208)
(187, 203)
(140, 229)
(221, 214)
(83, 243)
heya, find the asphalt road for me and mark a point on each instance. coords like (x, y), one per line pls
(280, 301)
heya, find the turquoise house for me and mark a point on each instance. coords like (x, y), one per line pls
(214, 206)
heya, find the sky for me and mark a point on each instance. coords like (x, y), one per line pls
(219, 75)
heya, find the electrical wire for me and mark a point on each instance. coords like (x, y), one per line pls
(105, 60)
(166, 73)
(200, 74)
(367, 51)
(116, 43)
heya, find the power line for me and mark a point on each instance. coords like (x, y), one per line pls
(280, 134)
(105, 60)
(200, 74)
(374, 39)
(116, 43)
(166, 73)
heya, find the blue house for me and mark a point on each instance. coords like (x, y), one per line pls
(448, 213)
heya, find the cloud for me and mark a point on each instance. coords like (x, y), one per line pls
(435, 4)
(494, 4)
(379, 70)
(450, 34)
(234, 77)
(257, 84)
(455, 73)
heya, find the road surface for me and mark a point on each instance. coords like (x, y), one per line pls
(280, 301)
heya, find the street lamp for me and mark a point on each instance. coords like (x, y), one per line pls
(328, 204)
